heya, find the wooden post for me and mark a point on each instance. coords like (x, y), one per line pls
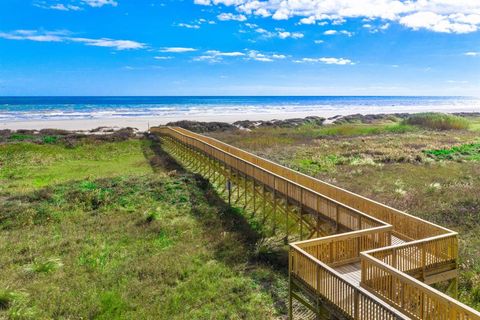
(264, 207)
(290, 304)
(254, 199)
(274, 211)
(301, 222)
(356, 305)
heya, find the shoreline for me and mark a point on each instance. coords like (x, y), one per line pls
(143, 123)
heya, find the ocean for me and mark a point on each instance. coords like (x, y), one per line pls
(83, 108)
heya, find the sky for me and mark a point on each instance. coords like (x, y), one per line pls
(239, 47)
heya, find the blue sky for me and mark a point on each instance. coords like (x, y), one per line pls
(239, 47)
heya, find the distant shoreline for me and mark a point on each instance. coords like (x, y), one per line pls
(143, 123)
(85, 113)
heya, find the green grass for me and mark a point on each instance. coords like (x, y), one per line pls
(438, 121)
(28, 166)
(21, 137)
(106, 233)
(470, 151)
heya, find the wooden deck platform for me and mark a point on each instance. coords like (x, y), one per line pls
(351, 272)
(375, 265)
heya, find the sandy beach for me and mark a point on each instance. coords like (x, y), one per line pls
(143, 123)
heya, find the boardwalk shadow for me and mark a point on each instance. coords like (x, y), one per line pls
(235, 241)
(160, 161)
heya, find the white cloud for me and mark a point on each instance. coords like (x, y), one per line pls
(32, 35)
(309, 20)
(385, 26)
(287, 34)
(225, 54)
(188, 26)
(279, 33)
(347, 33)
(64, 36)
(74, 5)
(436, 22)
(448, 16)
(263, 57)
(472, 53)
(330, 32)
(163, 58)
(338, 61)
(100, 3)
(318, 41)
(65, 7)
(231, 16)
(110, 43)
(177, 49)
(195, 24)
(334, 32)
(217, 56)
(374, 29)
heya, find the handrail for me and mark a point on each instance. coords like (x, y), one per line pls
(342, 236)
(383, 212)
(345, 248)
(357, 303)
(376, 222)
(421, 255)
(424, 301)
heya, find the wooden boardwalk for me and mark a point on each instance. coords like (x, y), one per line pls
(360, 260)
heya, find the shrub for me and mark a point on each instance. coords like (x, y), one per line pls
(21, 137)
(49, 139)
(437, 121)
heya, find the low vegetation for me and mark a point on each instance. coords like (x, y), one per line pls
(108, 227)
(437, 121)
(114, 230)
(422, 169)
(469, 151)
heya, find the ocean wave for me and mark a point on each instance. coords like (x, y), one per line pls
(37, 109)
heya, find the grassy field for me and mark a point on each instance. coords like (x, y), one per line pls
(114, 230)
(429, 167)
(111, 228)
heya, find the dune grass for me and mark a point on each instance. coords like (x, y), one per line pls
(111, 232)
(437, 121)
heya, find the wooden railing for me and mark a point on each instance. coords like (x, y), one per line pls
(421, 255)
(345, 248)
(344, 216)
(384, 267)
(352, 301)
(406, 226)
(412, 297)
